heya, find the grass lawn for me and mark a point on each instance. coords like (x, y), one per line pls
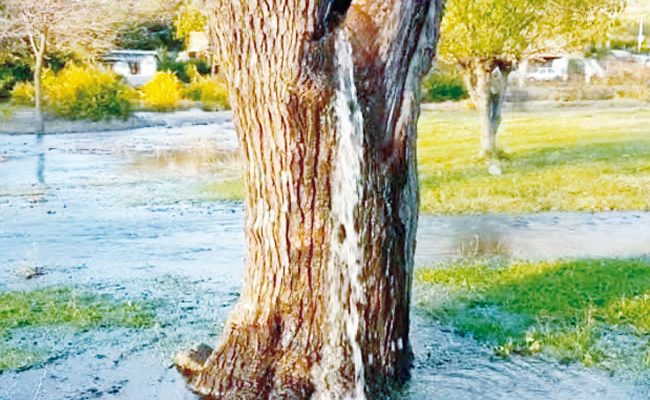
(592, 311)
(230, 189)
(6, 110)
(557, 160)
(583, 159)
(56, 307)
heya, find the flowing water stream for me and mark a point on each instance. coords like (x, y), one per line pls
(347, 255)
(124, 214)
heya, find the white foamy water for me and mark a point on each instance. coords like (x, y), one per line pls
(346, 290)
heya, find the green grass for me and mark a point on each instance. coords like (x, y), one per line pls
(226, 190)
(561, 308)
(55, 307)
(6, 111)
(560, 160)
(14, 358)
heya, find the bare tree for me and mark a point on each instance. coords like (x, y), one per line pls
(326, 102)
(84, 27)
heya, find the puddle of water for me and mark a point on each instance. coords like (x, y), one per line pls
(204, 159)
(534, 237)
(107, 212)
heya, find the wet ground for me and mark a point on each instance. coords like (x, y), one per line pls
(123, 213)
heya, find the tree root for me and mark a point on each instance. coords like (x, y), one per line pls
(191, 362)
(247, 365)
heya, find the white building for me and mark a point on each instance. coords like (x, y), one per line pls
(137, 66)
(556, 68)
(198, 45)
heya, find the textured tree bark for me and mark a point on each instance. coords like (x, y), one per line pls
(487, 87)
(325, 95)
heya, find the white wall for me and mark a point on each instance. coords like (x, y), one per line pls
(148, 68)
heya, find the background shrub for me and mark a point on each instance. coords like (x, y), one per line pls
(23, 94)
(11, 74)
(442, 86)
(184, 70)
(91, 93)
(212, 92)
(169, 64)
(149, 35)
(164, 92)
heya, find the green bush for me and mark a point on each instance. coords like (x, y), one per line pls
(168, 64)
(202, 66)
(442, 86)
(184, 70)
(23, 94)
(148, 35)
(212, 92)
(91, 93)
(164, 92)
(12, 74)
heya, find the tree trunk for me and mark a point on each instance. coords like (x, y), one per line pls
(326, 101)
(38, 92)
(487, 90)
(523, 74)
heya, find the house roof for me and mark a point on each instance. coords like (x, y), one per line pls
(129, 55)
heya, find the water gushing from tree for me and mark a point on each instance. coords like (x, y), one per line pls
(344, 273)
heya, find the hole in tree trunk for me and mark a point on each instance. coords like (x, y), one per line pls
(332, 16)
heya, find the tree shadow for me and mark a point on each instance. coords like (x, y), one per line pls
(582, 154)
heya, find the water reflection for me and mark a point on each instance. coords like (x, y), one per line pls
(193, 161)
(533, 237)
(485, 241)
(40, 163)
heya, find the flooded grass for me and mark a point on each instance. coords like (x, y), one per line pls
(574, 311)
(12, 358)
(224, 166)
(561, 160)
(55, 307)
(200, 158)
